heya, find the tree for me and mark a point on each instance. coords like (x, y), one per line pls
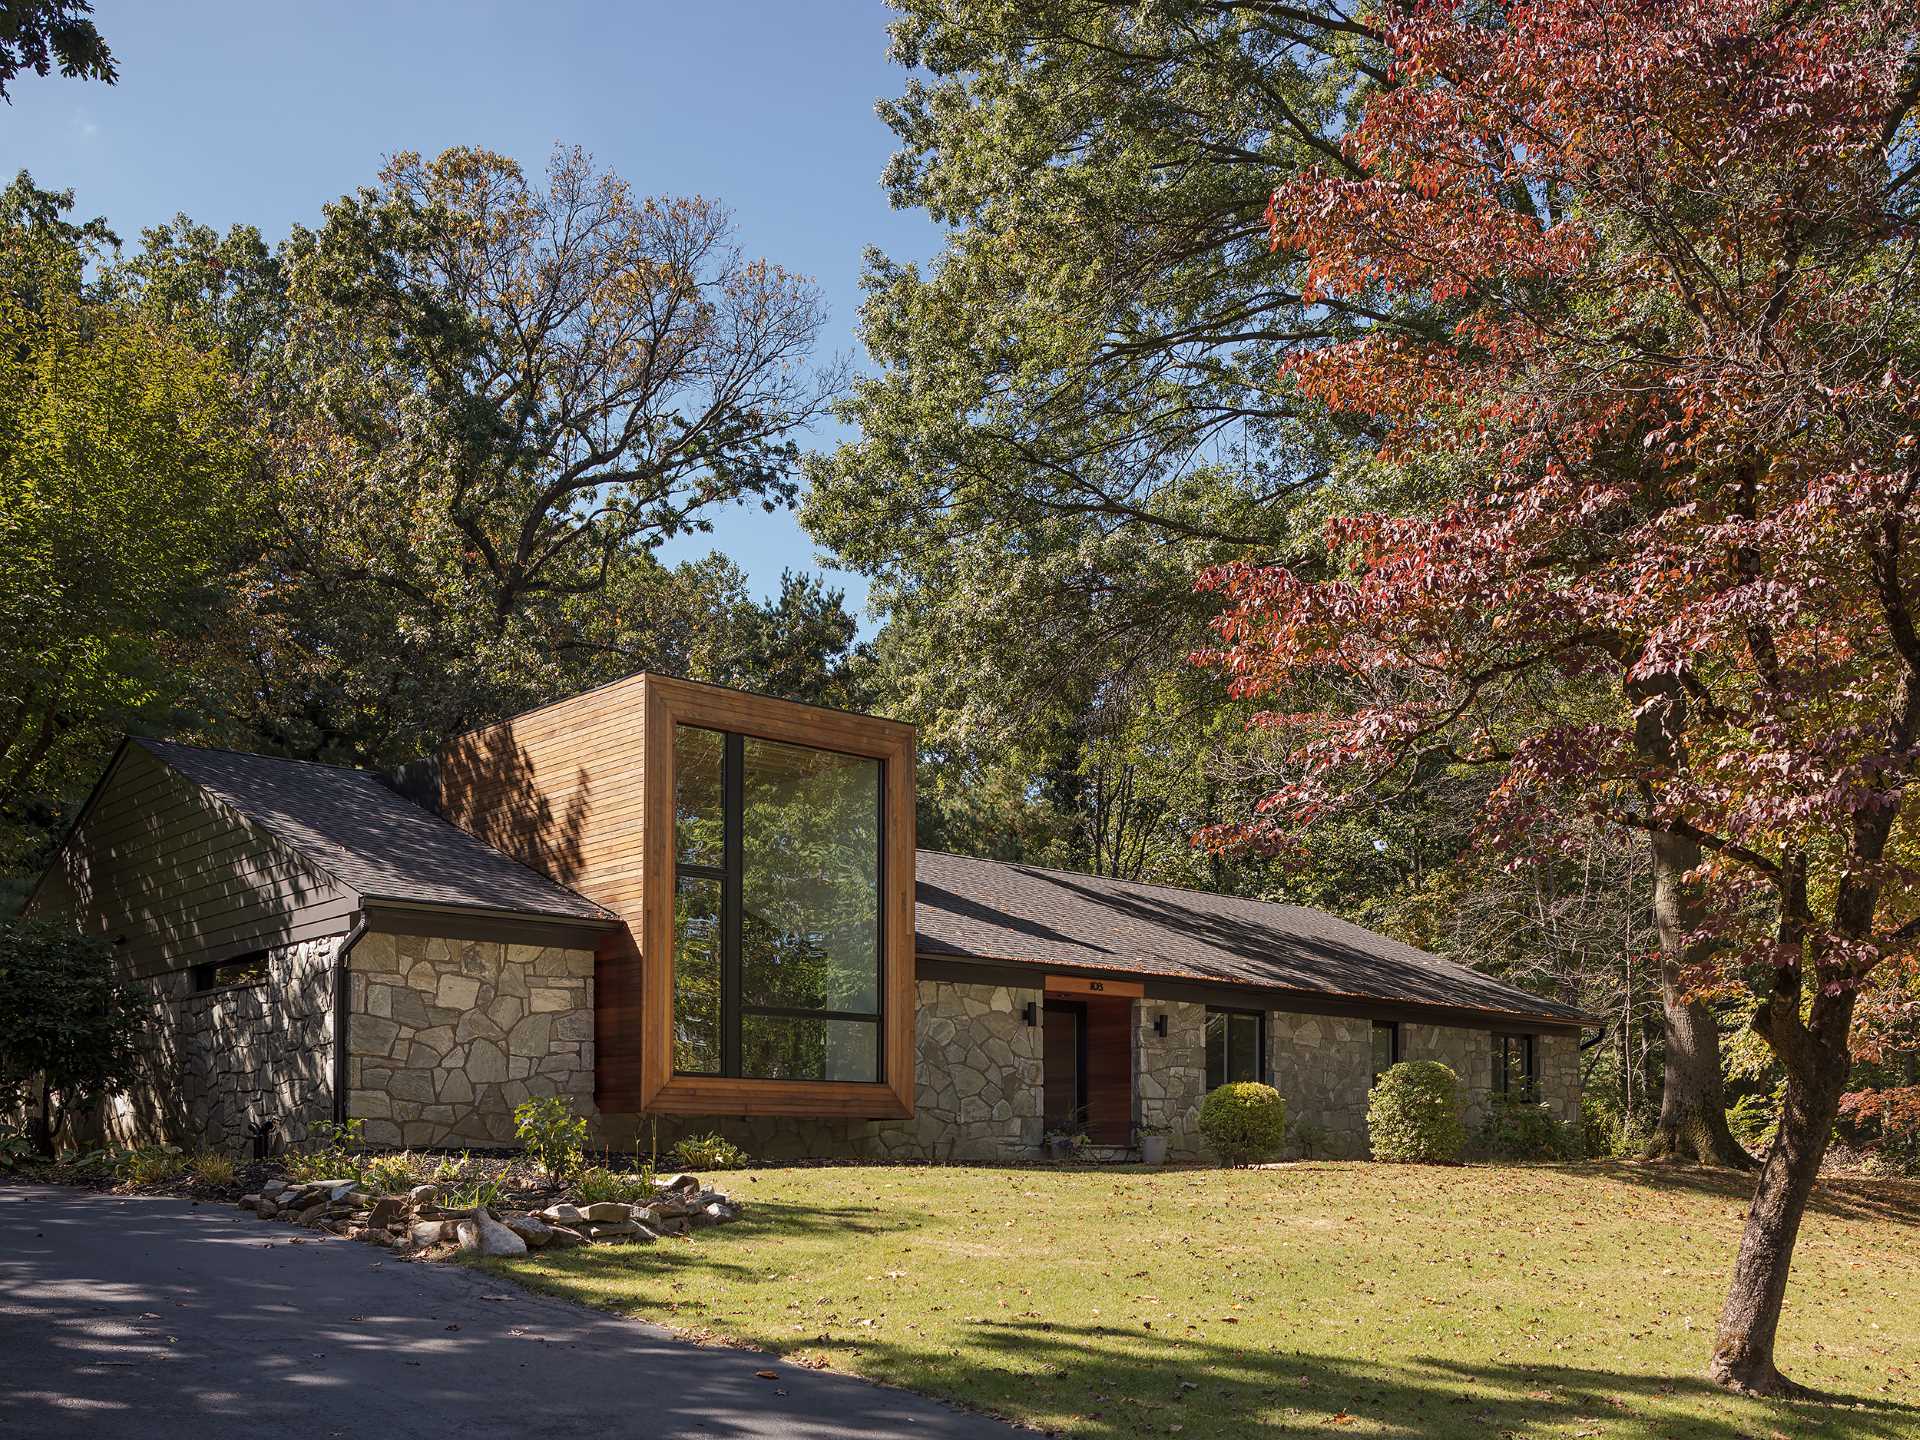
(36, 35)
(1676, 412)
(123, 465)
(69, 1031)
(1073, 409)
(488, 398)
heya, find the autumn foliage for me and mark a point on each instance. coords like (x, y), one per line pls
(1646, 361)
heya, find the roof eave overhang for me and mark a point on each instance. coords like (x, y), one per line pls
(1163, 986)
(484, 922)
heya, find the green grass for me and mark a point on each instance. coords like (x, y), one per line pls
(1317, 1299)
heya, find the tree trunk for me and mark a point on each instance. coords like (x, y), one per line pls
(1743, 1347)
(1693, 1107)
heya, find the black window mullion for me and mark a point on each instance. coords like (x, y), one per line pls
(733, 849)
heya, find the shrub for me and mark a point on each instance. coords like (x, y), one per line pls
(1309, 1139)
(1755, 1117)
(708, 1152)
(597, 1183)
(212, 1168)
(332, 1153)
(391, 1174)
(66, 1022)
(1244, 1122)
(1519, 1130)
(150, 1164)
(16, 1147)
(554, 1137)
(1413, 1114)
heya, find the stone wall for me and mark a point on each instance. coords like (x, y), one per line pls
(220, 1062)
(977, 1093)
(446, 1037)
(1557, 1059)
(1323, 1066)
(1170, 1073)
(1468, 1053)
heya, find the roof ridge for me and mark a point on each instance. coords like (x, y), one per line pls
(150, 741)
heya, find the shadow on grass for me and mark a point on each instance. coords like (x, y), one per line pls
(1893, 1201)
(1208, 1388)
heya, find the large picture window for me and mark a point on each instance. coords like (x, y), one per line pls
(777, 938)
(1235, 1040)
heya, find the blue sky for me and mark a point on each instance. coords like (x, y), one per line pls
(261, 112)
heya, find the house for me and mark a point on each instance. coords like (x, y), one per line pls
(689, 908)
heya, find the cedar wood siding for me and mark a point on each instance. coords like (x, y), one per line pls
(559, 789)
(156, 859)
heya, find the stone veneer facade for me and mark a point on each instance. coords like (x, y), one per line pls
(446, 1037)
(219, 1062)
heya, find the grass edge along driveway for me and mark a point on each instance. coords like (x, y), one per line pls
(1314, 1299)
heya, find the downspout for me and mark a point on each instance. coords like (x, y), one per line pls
(342, 995)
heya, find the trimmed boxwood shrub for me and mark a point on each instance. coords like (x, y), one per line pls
(1413, 1114)
(1244, 1123)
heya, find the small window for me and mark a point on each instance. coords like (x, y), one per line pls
(240, 970)
(1386, 1047)
(1236, 1039)
(1513, 1066)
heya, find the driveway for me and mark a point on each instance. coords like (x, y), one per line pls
(133, 1317)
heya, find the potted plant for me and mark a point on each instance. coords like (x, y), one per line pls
(1064, 1144)
(1153, 1143)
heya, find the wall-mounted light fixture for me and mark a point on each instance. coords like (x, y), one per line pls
(1033, 1012)
(1160, 1026)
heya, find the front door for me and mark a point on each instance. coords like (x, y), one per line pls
(1087, 1051)
(1064, 1058)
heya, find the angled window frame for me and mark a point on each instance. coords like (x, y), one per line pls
(670, 704)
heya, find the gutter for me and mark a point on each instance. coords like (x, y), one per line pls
(342, 1008)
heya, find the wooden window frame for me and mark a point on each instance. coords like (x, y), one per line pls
(672, 703)
(1260, 1043)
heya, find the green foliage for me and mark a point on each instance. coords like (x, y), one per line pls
(708, 1152)
(16, 1147)
(1525, 1130)
(1755, 1116)
(1244, 1123)
(123, 502)
(391, 1173)
(472, 1194)
(209, 1167)
(150, 1164)
(65, 1022)
(42, 35)
(333, 1152)
(597, 1184)
(1414, 1114)
(1309, 1139)
(554, 1137)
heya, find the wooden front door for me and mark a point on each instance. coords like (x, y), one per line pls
(1088, 1059)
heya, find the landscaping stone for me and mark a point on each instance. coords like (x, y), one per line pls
(530, 1228)
(388, 1210)
(605, 1210)
(485, 1235)
(429, 1232)
(563, 1238)
(563, 1214)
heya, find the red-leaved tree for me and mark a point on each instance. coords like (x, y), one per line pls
(1662, 572)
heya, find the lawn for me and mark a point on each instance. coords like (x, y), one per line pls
(1316, 1299)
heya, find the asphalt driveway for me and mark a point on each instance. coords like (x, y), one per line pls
(139, 1317)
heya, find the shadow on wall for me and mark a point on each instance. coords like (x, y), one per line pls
(485, 785)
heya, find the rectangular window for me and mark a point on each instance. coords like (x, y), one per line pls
(777, 923)
(250, 969)
(1513, 1066)
(1386, 1047)
(1235, 1041)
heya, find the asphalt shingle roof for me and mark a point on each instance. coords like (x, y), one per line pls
(357, 828)
(990, 909)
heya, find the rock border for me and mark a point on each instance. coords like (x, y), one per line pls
(419, 1222)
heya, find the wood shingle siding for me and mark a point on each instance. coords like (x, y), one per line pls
(183, 877)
